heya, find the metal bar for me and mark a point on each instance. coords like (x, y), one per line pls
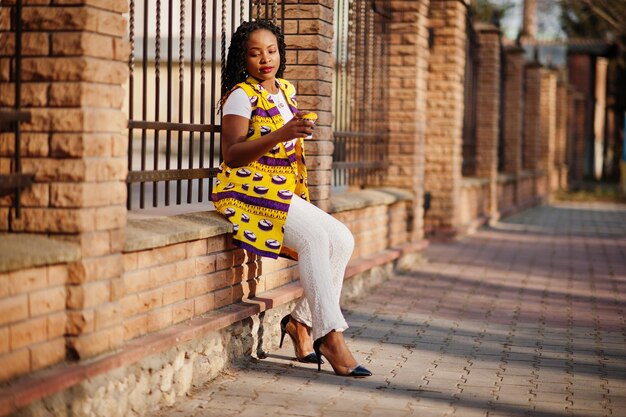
(18, 102)
(342, 96)
(337, 104)
(9, 116)
(181, 95)
(213, 90)
(202, 91)
(168, 133)
(282, 16)
(382, 11)
(368, 92)
(144, 102)
(192, 89)
(362, 89)
(223, 46)
(11, 182)
(171, 175)
(157, 99)
(2, 43)
(360, 140)
(274, 12)
(131, 102)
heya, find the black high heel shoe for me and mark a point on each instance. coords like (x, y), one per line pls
(310, 358)
(357, 372)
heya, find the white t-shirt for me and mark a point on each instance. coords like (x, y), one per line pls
(238, 104)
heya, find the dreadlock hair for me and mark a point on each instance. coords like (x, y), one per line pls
(235, 71)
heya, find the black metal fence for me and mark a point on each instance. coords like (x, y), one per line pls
(471, 93)
(177, 48)
(12, 180)
(360, 103)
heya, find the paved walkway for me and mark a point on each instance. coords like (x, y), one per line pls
(522, 319)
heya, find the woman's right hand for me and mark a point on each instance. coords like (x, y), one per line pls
(238, 151)
(296, 128)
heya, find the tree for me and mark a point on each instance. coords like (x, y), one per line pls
(601, 19)
(490, 11)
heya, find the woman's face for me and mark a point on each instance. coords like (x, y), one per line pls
(262, 55)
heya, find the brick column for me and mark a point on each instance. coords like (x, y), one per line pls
(309, 39)
(408, 75)
(576, 134)
(561, 132)
(513, 110)
(532, 116)
(73, 76)
(444, 132)
(581, 67)
(599, 116)
(488, 114)
(547, 139)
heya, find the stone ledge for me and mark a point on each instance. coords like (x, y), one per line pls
(369, 197)
(152, 233)
(506, 178)
(162, 231)
(471, 182)
(33, 387)
(529, 173)
(22, 250)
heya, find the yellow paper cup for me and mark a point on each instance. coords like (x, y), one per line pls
(310, 116)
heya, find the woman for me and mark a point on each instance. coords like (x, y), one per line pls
(262, 189)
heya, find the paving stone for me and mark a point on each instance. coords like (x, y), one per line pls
(331, 413)
(467, 412)
(580, 412)
(489, 327)
(517, 380)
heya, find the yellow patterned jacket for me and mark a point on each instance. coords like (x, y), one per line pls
(255, 198)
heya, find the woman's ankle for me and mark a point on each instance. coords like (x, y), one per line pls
(335, 345)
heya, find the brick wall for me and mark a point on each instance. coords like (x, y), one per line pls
(170, 284)
(408, 75)
(162, 286)
(378, 228)
(173, 283)
(32, 319)
(443, 150)
(73, 71)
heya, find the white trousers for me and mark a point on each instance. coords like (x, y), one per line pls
(324, 247)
